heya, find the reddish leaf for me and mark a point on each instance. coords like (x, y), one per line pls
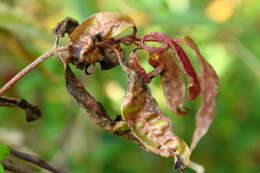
(172, 83)
(167, 41)
(194, 85)
(209, 88)
(135, 64)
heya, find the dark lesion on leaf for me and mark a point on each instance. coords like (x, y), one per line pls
(32, 112)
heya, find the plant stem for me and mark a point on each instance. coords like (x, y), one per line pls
(35, 160)
(31, 66)
(10, 167)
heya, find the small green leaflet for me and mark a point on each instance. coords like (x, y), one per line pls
(4, 152)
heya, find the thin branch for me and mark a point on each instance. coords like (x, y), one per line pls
(13, 168)
(32, 112)
(35, 160)
(31, 66)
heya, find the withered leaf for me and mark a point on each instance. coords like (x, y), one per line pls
(98, 28)
(106, 24)
(209, 87)
(149, 124)
(172, 83)
(32, 112)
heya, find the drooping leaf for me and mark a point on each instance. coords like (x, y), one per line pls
(150, 125)
(172, 83)
(4, 151)
(32, 112)
(209, 88)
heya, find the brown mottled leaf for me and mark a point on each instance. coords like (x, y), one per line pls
(105, 24)
(32, 112)
(172, 83)
(149, 124)
(209, 88)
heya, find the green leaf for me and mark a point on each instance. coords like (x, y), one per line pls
(1, 168)
(4, 152)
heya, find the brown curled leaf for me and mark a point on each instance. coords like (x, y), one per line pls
(172, 83)
(95, 109)
(32, 112)
(105, 24)
(149, 124)
(209, 89)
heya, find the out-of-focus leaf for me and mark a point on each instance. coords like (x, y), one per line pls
(149, 124)
(1, 168)
(32, 112)
(107, 24)
(17, 22)
(4, 151)
(172, 83)
(209, 88)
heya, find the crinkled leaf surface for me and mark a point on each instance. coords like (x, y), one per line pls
(4, 151)
(209, 87)
(149, 124)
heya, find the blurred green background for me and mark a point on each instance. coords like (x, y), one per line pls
(227, 31)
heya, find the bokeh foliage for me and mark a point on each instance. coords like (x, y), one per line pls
(227, 33)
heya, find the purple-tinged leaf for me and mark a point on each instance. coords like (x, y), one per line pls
(209, 89)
